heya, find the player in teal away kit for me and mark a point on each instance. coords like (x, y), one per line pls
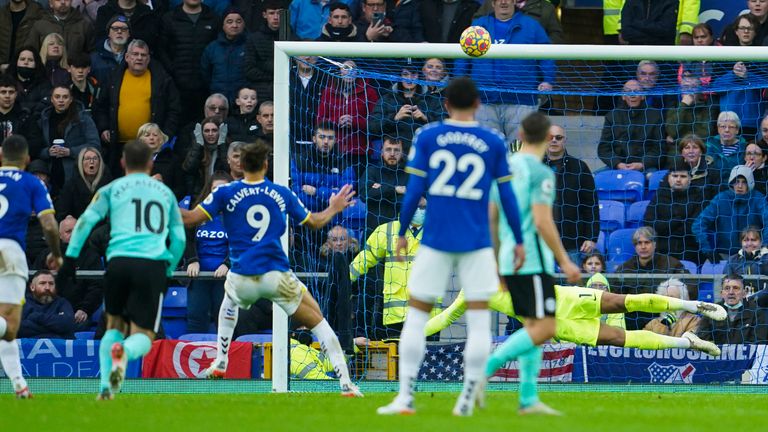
(532, 288)
(143, 216)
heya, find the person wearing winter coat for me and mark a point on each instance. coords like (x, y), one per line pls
(752, 258)
(223, 61)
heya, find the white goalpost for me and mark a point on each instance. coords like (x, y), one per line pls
(282, 126)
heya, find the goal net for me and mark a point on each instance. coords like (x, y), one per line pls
(624, 118)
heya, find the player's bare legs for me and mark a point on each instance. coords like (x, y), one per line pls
(618, 303)
(412, 346)
(309, 314)
(10, 318)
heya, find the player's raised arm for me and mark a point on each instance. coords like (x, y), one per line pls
(336, 204)
(51, 233)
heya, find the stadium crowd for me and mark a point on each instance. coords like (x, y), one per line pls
(193, 80)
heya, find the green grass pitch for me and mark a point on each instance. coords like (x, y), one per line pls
(319, 412)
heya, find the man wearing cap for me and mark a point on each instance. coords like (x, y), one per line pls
(402, 109)
(85, 88)
(109, 55)
(223, 59)
(144, 22)
(718, 227)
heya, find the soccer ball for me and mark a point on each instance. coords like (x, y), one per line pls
(475, 41)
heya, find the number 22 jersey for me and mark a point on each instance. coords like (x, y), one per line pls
(254, 218)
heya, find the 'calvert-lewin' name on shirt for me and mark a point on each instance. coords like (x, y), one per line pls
(259, 190)
(462, 138)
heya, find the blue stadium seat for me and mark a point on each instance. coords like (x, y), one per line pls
(619, 246)
(198, 337)
(600, 245)
(611, 215)
(654, 181)
(713, 269)
(620, 185)
(690, 266)
(706, 292)
(255, 338)
(174, 327)
(354, 217)
(175, 302)
(84, 335)
(611, 265)
(635, 214)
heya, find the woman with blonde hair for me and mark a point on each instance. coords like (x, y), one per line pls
(53, 53)
(78, 191)
(166, 166)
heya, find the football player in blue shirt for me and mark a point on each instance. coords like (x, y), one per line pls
(454, 162)
(254, 211)
(21, 194)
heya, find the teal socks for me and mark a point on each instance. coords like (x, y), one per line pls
(530, 365)
(105, 356)
(137, 345)
(515, 345)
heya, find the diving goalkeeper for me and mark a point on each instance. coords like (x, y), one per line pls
(579, 310)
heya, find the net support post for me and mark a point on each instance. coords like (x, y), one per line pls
(281, 164)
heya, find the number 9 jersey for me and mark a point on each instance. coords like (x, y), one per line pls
(460, 161)
(254, 218)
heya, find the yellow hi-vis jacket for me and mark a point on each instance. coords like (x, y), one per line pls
(687, 16)
(379, 247)
(309, 363)
(612, 16)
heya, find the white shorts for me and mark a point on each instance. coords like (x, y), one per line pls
(433, 269)
(13, 272)
(283, 288)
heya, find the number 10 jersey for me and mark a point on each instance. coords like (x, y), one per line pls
(254, 218)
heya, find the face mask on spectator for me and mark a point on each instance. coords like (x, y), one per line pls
(25, 72)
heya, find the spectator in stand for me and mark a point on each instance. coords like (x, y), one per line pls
(747, 104)
(672, 211)
(32, 86)
(321, 171)
(166, 166)
(218, 6)
(69, 23)
(207, 155)
(306, 92)
(646, 261)
(705, 175)
(703, 71)
(647, 74)
(223, 60)
(138, 92)
(233, 160)
(754, 158)
(752, 258)
(727, 148)
(79, 190)
(242, 124)
(593, 263)
(216, 107)
(339, 27)
(695, 113)
(646, 22)
(402, 109)
(404, 25)
(761, 139)
(747, 321)
(435, 74)
(382, 187)
(599, 282)
(253, 12)
(89, 8)
(85, 88)
(717, 228)
(53, 53)
(65, 120)
(185, 32)
(444, 21)
(575, 211)
(259, 51)
(742, 32)
(266, 120)
(309, 16)
(16, 20)
(109, 55)
(335, 296)
(66, 226)
(678, 322)
(542, 11)
(144, 22)
(15, 120)
(207, 250)
(504, 110)
(632, 134)
(348, 102)
(45, 314)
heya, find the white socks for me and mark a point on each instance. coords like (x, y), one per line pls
(330, 345)
(3, 326)
(413, 343)
(478, 346)
(9, 357)
(227, 322)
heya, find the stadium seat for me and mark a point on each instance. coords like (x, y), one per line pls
(635, 214)
(690, 266)
(713, 269)
(175, 302)
(174, 327)
(620, 185)
(354, 217)
(255, 338)
(611, 265)
(600, 246)
(654, 181)
(84, 335)
(706, 292)
(611, 215)
(198, 337)
(619, 246)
